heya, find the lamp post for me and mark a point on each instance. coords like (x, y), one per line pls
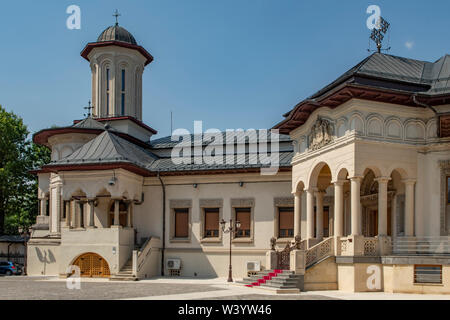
(231, 230)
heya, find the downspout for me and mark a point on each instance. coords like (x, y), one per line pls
(163, 223)
(438, 126)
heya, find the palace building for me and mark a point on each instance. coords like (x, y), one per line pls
(361, 190)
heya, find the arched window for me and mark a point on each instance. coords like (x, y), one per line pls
(107, 90)
(122, 105)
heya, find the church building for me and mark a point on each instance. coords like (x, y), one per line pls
(362, 183)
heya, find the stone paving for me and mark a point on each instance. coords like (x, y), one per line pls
(52, 288)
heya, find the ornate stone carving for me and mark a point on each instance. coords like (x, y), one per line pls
(321, 134)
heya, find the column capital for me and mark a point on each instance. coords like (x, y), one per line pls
(297, 193)
(339, 182)
(383, 179)
(409, 181)
(311, 190)
(319, 192)
(356, 178)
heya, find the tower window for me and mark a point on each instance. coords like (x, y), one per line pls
(123, 93)
(107, 91)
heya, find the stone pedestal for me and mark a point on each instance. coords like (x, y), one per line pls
(384, 245)
(271, 260)
(298, 261)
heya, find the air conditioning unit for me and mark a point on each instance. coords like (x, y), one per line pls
(253, 266)
(173, 264)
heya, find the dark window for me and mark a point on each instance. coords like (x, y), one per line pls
(47, 207)
(81, 214)
(211, 222)
(65, 209)
(107, 91)
(285, 222)
(123, 80)
(427, 274)
(181, 223)
(448, 190)
(243, 215)
(123, 104)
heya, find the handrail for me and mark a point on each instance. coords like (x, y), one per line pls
(321, 250)
(140, 256)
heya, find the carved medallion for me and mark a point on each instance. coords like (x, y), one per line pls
(321, 134)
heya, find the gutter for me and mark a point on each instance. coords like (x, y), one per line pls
(163, 186)
(436, 113)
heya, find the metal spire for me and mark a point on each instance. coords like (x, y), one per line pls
(89, 110)
(117, 15)
(378, 33)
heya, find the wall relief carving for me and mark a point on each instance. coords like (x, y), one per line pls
(321, 134)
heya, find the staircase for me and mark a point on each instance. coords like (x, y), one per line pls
(275, 279)
(125, 274)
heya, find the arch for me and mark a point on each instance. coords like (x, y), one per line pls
(393, 128)
(341, 127)
(403, 172)
(356, 123)
(299, 186)
(342, 174)
(92, 265)
(431, 129)
(414, 130)
(374, 126)
(313, 176)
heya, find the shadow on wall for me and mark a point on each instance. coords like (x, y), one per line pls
(45, 257)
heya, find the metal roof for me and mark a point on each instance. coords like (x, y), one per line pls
(117, 33)
(108, 148)
(89, 123)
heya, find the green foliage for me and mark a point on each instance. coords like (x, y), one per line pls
(18, 187)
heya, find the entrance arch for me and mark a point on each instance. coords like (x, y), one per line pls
(92, 265)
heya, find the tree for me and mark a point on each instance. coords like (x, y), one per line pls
(18, 187)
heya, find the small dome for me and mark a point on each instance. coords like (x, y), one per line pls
(116, 33)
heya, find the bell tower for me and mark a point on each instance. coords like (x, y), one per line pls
(117, 63)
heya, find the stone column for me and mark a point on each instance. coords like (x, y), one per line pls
(409, 207)
(356, 205)
(339, 208)
(382, 205)
(91, 203)
(319, 214)
(42, 203)
(298, 214)
(129, 213)
(67, 204)
(116, 212)
(309, 214)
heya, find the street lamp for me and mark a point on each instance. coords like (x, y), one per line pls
(231, 230)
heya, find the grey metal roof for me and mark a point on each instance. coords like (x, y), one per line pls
(433, 76)
(242, 161)
(116, 33)
(108, 148)
(166, 142)
(11, 238)
(89, 123)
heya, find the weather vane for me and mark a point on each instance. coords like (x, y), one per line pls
(378, 33)
(89, 109)
(117, 15)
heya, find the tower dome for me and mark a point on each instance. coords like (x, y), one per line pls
(117, 33)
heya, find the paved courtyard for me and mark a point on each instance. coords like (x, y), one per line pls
(51, 288)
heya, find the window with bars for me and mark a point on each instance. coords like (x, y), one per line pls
(181, 223)
(285, 222)
(211, 222)
(243, 215)
(428, 274)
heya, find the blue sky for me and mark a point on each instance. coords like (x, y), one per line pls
(229, 63)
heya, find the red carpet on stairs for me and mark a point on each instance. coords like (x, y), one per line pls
(264, 278)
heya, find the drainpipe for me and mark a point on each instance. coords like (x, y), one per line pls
(163, 223)
(438, 126)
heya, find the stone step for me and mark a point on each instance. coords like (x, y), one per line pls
(269, 285)
(119, 277)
